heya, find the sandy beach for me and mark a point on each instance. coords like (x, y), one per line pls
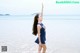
(63, 36)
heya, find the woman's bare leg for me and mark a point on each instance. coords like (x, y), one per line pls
(39, 49)
(44, 48)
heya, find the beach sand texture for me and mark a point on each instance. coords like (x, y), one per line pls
(63, 36)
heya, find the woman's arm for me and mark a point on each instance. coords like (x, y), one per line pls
(42, 10)
(38, 29)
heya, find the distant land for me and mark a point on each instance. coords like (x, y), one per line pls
(4, 14)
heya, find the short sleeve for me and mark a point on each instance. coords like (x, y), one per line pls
(38, 25)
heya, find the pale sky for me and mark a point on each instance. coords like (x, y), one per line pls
(27, 7)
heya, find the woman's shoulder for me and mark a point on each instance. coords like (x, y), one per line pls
(39, 24)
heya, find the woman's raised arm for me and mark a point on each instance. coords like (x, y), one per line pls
(42, 10)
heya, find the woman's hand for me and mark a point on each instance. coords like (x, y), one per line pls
(39, 43)
(42, 5)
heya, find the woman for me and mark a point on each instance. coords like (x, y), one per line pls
(39, 29)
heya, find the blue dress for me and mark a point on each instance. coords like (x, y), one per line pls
(42, 35)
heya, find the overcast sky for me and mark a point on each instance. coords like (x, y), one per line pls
(27, 7)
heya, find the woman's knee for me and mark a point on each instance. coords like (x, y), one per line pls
(40, 47)
(44, 47)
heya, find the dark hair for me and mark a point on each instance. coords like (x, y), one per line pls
(35, 24)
